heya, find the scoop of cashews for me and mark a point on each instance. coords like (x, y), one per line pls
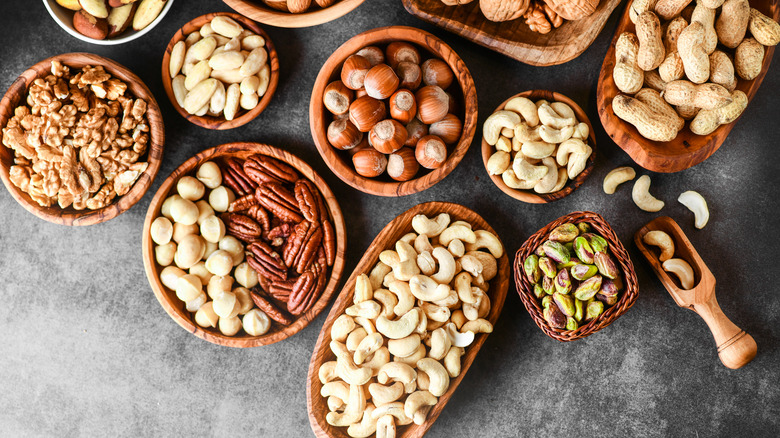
(696, 203)
(617, 176)
(642, 197)
(663, 241)
(682, 270)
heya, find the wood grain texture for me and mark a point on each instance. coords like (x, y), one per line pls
(243, 116)
(735, 347)
(514, 38)
(316, 404)
(175, 307)
(69, 216)
(529, 195)
(340, 162)
(616, 249)
(260, 12)
(688, 149)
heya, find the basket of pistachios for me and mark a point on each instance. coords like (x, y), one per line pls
(574, 276)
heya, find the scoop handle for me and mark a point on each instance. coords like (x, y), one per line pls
(735, 346)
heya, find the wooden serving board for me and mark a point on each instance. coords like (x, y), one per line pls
(514, 38)
(262, 13)
(688, 149)
(316, 404)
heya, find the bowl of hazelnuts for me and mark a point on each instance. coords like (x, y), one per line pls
(393, 111)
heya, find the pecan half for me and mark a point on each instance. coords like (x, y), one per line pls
(241, 226)
(284, 230)
(302, 291)
(260, 215)
(234, 177)
(278, 201)
(281, 290)
(270, 309)
(308, 252)
(243, 203)
(307, 202)
(295, 242)
(267, 262)
(263, 169)
(329, 242)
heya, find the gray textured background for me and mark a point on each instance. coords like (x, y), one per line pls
(86, 350)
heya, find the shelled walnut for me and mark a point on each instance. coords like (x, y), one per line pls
(541, 16)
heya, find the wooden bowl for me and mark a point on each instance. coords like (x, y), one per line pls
(526, 290)
(393, 231)
(261, 12)
(243, 116)
(688, 149)
(514, 38)
(69, 216)
(175, 307)
(529, 195)
(319, 117)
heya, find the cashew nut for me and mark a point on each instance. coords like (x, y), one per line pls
(364, 288)
(366, 323)
(382, 395)
(548, 116)
(578, 162)
(435, 313)
(471, 311)
(378, 274)
(388, 301)
(415, 404)
(370, 344)
(457, 318)
(479, 281)
(440, 344)
(427, 289)
(405, 251)
(336, 389)
(550, 179)
(662, 241)
(682, 270)
(541, 102)
(463, 287)
(526, 108)
(398, 372)
(452, 361)
(563, 109)
(451, 300)
(400, 328)
(327, 372)
(486, 240)
(412, 359)
(404, 347)
(460, 339)
(368, 309)
(457, 231)
(431, 228)
(568, 147)
(423, 382)
(497, 121)
(446, 262)
(346, 369)
(527, 171)
(616, 177)
(367, 425)
(336, 404)
(422, 244)
(431, 326)
(457, 248)
(342, 326)
(440, 379)
(408, 238)
(696, 203)
(498, 163)
(537, 149)
(385, 426)
(504, 143)
(390, 257)
(477, 326)
(513, 182)
(642, 197)
(426, 263)
(380, 358)
(556, 136)
(354, 338)
(524, 133)
(353, 413)
(396, 409)
(405, 297)
(582, 131)
(388, 279)
(406, 269)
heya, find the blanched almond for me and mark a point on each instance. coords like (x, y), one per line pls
(231, 101)
(226, 26)
(200, 95)
(197, 73)
(147, 11)
(228, 76)
(217, 104)
(265, 78)
(179, 90)
(249, 101)
(249, 85)
(177, 58)
(226, 60)
(202, 49)
(254, 62)
(252, 42)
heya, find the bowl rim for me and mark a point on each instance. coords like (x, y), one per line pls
(50, 4)
(211, 122)
(381, 35)
(258, 11)
(151, 267)
(619, 252)
(571, 185)
(154, 152)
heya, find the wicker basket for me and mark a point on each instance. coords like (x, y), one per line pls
(616, 249)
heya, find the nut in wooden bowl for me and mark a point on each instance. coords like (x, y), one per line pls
(523, 136)
(50, 163)
(303, 13)
(262, 240)
(220, 70)
(617, 263)
(393, 90)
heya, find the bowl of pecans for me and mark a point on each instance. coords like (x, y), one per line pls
(82, 139)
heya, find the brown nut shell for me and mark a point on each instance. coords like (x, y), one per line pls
(90, 26)
(402, 165)
(387, 136)
(342, 134)
(448, 129)
(354, 71)
(432, 104)
(381, 82)
(410, 75)
(437, 72)
(369, 163)
(399, 51)
(374, 54)
(365, 112)
(403, 106)
(431, 152)
(415, 130)
(337, 98)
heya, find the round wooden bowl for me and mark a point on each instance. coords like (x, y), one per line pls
(529, 195)
(397, 228)
(175, 307)
(261, 12)
(243, 116)
(319, 117)
(69, 216)
(526, 290)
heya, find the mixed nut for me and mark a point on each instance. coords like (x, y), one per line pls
(413, 316)
(298, 6)
(101, 19)
(78, 138)
(573, 275)
(541, 16)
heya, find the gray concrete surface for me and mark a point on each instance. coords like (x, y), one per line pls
(86, 350)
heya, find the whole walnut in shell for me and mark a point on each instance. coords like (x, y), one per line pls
(503, 10)
(573, 9)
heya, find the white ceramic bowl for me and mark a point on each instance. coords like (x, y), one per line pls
(64, 17)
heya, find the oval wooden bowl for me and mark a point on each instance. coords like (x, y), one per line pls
(69, 216)
(529, 195)
(319, 117)
(526, 290)
(316, 404)
(260, 12)
(688, 149)
(175, 307)
(243, 116)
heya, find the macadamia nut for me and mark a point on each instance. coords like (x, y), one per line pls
(189, 251)
(209, 174)
(204, 211)
(230, 326)
(195, 304)
(190, 188)
(220, 198)
(256, 323)
(218, 285)
(164, 253)
(212, 229)
(226, 305)
(234, 247)
(205, 316)
(245, 303)
(170, 275)
(220, 263)
(161, 230)
(200, 270)
(165, 209)
(188, 287)
(180, 231)
(184, 211)
(245, 275)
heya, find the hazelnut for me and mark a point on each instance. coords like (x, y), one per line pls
(399, 51)
(373, 54)
(432, 104)
(430, 152)
(403, 107)
(360, 93)
(437, 72)
(337, 97)
(381, 82)
(410, 75)
(361, 146)
(454, 107)
(448, 129)
(366, 112)
(369, 163)
(209, 174)
(354, 71)
(342, 134)
(387, 136)
(416, 130)
(402, 165)
(205, 316)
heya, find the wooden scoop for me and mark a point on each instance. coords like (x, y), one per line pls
(735, 347)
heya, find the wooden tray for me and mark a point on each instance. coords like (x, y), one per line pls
(513, 38)
(262, 13)
(316, 404)
(688, 149)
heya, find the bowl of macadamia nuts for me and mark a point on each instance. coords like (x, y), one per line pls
(220, 70)
(293, 13)
(393, 111)
(244, 244)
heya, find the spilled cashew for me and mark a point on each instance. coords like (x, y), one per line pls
(616, 177)
(642, 197)
(696, 203)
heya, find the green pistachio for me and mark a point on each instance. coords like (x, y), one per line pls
(579, 309)
(556, 251)
(563, 282)
(547, 265)
(538, 291)
(569, 247)
(571, 323)
(572, 261)
(605, 264)
(548, 285)
(583, 250)
(565, 303)
(554, 317)
(608, 300)
(598, 243)
(539, 251)
(588, 288)
(609, 287)
(546, 301)
(564, 233)
(531, 268)
(584, 227)
(583, 272)
(594, 309)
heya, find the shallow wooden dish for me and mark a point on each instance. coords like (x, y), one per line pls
(316, 404)
(260, 12)
(526, 290)
(514, 38)
(243, 116)
(735, 347)
(529, 195)
(175, 307)
(688, 149)
(339, 161)
(69, 216)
